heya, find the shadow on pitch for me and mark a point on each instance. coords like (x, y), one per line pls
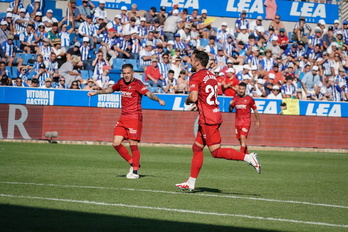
(213, 190)
(20, 218)
(141, 176)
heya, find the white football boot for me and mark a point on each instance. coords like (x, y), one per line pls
(185, 186)
(254, 162)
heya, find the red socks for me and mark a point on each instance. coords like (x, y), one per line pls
(228, 153)
(122, 150)
(197, 160)
(136, 156)
(244, 149)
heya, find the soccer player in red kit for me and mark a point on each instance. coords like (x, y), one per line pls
(243, 105)
(203, 92)
(129, 126)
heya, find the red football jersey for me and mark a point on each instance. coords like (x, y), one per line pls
(131, 95)
(243, 107)
(205, 83)
(230, 91)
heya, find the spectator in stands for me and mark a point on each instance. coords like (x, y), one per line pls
(204, 26)
(164, 65)
(277, 25)
(301, 30)
(176, 66)
(172, 24)
(73, 51)
(87, 29)
(134, 13)
(328, 38)
(131, 27)
(311, 82)
(4, 32)
(85, 54)
(10, 50)
(34, 8)
(230, 83)
(143, 30)
(162, 16)
(288, 90)
(45, 50)
(4, 75)
(283, 39)
(23, 75)
(86, 9)
(182, 83)
(21, 22)
(48, 20)
(41, 34)
(223, 34)
(65, 36)
(151, 16)
(61, 84)
(326, 67)
(69, 70)
(243, 35)
(34, 83)
(42, 75)
(99, 62)
(16, 5)
(170, 83)
(211, 48)
(107, 44)
(100, 11)
(195, 36)
(153, 75)
(47, 84)
(37, 63)
(52, 67)
(19, 83)
(91, 85)
(59, 51)
(74, 14)
(146, 54)
(185, 33)
(54, 33)
(38, 20)
(136, 46)
(259, 88)
(102, 79)
(124, 16)
(274, 47)
(123, 46)
(256, 24)
(242, 21)
(275, 93)
(116, 25)
(27, 40)
(316, 39)
(75, 85)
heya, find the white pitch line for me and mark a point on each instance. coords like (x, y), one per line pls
(181, 192)
(175, 210)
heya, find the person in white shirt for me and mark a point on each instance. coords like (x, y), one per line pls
(48, 20)
(275, 94)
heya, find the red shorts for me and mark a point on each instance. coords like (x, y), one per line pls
(208, 134)
(129, 128)
(242, 130)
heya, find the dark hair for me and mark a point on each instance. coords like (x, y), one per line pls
(242, 84)
(202, 57)
(102, 25)
(127, 66)
(171, 71)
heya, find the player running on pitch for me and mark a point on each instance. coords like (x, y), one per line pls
(129, 126)
(203, 92)
(243, 105)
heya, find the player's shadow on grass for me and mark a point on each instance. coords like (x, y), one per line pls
(212, 190)
(20, 218)
(141, 176)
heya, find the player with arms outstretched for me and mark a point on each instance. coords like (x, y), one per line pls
(129, 126)
(243, 105)
(203, 92)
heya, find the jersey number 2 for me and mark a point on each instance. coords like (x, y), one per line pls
(213, 91)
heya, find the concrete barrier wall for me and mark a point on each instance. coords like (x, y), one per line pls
(169, 127)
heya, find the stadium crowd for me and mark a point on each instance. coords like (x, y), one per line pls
(312, 64)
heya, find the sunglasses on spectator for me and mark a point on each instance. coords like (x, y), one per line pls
(74, 84)
(275, 89)
(61, 80)
(277, 18)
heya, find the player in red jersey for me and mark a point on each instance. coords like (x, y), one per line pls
(203, 92)
(129, 126)
(243, 105)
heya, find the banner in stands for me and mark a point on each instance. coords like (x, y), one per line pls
(57, 97)
(289, 10)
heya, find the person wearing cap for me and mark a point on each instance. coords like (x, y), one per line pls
(146, 54)
(9, 50)
(48, 20)
(28, 40)
(100, 11)
(134, 12)
(108, 44)
(256, 24)
(73, 51)
(34, 83)
(16, 5)
(269, 83)
(86, 9)
(311, 81)
(283, 39)
(254, 58)
(124, 16)
(274, 47)
(102, 79)
(211, 48)
(316, 39)
(170, 84)
(92, 85)
(171, 25)
(87, 29)
(204, 26)
(321, 24)
(69, 71)
(243, 35)
(266, 63)
(116, 25)
(230, 83)
(185, 33)
(73, 14)
(288, 90)
(34, 7)
(241, 21)
(42, 74)
(21, 21)
(59, 51)
(151, 16)
(304, 62)
(152, 74)
(4, 32)
(336, 26)
(131, 27)
(339, 39)
(99, 62)
(277, 25)
(47, 84)
(328, 37)
(326, 66)
(301, 30)
(162, 15)
(275, 93)
(223, 34)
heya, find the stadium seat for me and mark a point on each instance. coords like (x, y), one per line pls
(72, 38)
(85, 74)
(204, 42)
(117, 64)
(15, 71)
(8, 69)
(115, 75)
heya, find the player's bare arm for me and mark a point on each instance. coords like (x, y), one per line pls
(153, 97)
(103, 91)
(230, 108)
(257, 116)
(192, 98)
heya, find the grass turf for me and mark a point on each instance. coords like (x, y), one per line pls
(230, 195)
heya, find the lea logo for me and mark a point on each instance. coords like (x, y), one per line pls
(181, 3)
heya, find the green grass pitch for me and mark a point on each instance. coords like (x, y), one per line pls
(56, 187)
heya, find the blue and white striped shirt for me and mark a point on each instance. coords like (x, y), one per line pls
(164, 68)
(144, 53)
(267, 64)
(8, 48)
(65, 39)
(87, 29)
(46, 52)
(85, 52)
